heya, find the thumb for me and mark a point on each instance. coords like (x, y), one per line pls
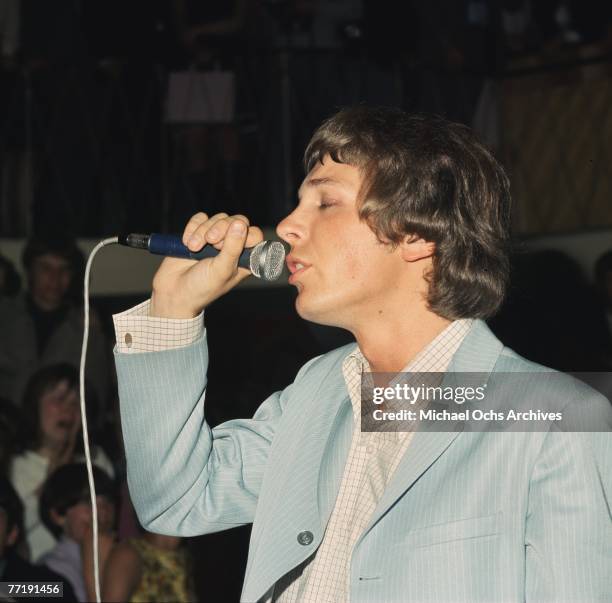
(233, 245)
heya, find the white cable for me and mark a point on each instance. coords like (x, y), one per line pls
(92, 486)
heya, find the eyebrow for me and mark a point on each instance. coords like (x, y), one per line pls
(314, 182)
(321, 181)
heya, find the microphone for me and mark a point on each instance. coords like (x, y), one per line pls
(265, 260)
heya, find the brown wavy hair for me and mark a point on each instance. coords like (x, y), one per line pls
(429, 178)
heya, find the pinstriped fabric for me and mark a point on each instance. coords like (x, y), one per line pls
(473, 517)
(181, 413)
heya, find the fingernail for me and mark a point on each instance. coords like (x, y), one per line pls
(238, 227)
(213, 235)
(195, 239)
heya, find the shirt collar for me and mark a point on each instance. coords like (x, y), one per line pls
(434, 357)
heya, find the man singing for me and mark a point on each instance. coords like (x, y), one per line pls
(400, 236)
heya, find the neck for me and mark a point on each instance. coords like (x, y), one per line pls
(49, 450)
(391, 342)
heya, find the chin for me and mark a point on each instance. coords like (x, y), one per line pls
(319, 313)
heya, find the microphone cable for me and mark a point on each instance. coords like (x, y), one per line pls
(268, 260)
(90, 478)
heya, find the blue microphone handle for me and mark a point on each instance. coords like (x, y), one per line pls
(171, 245)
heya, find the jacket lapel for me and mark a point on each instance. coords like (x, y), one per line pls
(334, 459)
(318, 467)
(478, 353)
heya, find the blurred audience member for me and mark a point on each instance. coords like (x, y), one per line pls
(45, 325)
(517, 25)
(10, 283)
(546, 26)
(65, 509)
(603, 283)
(51, 432)
(10, 418)
(570, 21)
(12, 567)
(151, 568)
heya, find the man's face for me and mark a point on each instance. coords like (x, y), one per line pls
(50, 277)
(342, 272)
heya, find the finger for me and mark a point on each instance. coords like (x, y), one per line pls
(200, 237)
(254, 236)
(233, 244)
(193, 225)
(219, 230)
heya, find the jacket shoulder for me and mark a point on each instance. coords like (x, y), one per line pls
(320, 365)
(579, 396)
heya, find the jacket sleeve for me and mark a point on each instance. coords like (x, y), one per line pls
(184, 477)
(568, 533)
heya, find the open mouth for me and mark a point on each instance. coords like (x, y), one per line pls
(296, 267)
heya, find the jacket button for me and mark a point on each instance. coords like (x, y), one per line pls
(305, 538)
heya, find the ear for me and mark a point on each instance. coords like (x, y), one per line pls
(414, 249)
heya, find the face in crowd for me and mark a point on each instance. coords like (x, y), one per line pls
(77, 520)
(59, 415)
(50, 278)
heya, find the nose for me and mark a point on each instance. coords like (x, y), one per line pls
(70, 402)
(291, 228)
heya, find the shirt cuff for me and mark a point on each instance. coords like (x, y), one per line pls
(136, 331)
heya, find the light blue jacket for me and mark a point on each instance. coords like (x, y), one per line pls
(467, 516)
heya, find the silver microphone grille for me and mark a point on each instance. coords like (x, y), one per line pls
(267, 260)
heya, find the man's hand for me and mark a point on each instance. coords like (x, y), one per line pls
(183, 288)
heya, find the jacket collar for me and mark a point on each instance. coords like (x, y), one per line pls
(478, 353)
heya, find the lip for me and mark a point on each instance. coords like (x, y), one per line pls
(296, 272)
